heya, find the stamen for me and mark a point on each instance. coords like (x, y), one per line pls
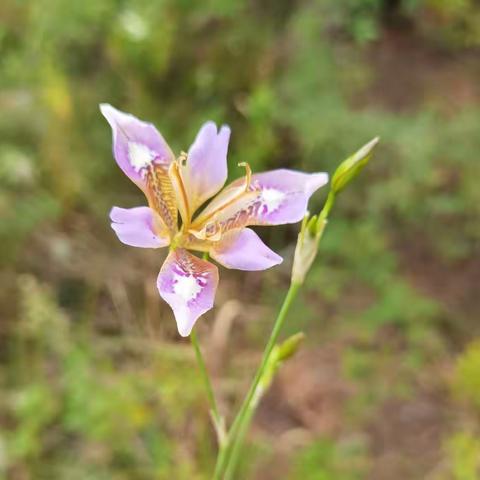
(182, 159)
(236, 194)
(248, 174)
(175, 174)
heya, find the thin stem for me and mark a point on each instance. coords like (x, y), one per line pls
(206, 379)
(322, 217)
(246, 410)
(239, 441)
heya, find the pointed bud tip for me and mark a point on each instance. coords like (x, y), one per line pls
(367, 148)
(350, 167)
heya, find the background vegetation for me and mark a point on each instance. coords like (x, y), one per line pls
(94, 381)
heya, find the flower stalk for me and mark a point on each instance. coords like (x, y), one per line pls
(311, 232)
(234, 436)
(218, 420)
(279, 354)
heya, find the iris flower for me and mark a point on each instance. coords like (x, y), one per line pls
(176, 188)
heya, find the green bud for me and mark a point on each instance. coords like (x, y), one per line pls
(306, 248)
(280, 352)
(352, 166)
(290, 346)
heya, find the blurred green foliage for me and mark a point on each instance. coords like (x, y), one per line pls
(464, 449)
(324, 460)
(87, 390)
(76, 415)
(467, 374)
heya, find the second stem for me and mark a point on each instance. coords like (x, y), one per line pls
(233, 438)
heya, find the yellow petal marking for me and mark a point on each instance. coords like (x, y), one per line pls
(161, 196)
(176, 177)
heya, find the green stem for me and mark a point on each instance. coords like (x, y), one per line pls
(239, 441)
(322, 217)
(206, 380)
(249, 404)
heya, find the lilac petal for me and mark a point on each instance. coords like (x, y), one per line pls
(137, 227)
(137, 145)
(188, 284)
(244, 250)
(144, 156)
(205, 172)
(284, 194)
(273, 198)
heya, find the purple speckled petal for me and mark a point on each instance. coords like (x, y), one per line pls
(205, 172)
(244, 250)
(188, 284)
(284, 194)
(144, 156)
(273, 198)
(136, 227)
(137, 145)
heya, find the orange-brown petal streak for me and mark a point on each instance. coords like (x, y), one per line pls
(161, 196)
(175, 174)
(231, 196)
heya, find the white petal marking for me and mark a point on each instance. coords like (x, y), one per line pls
(140, 155)
(186, 287)
(272, 198)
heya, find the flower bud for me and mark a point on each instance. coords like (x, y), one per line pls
(290, 346)
(306, 248)
(279, 354)
(352, 166)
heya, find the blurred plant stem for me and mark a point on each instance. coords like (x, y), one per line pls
(228, 456)
(217, 419)
(242, 421)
